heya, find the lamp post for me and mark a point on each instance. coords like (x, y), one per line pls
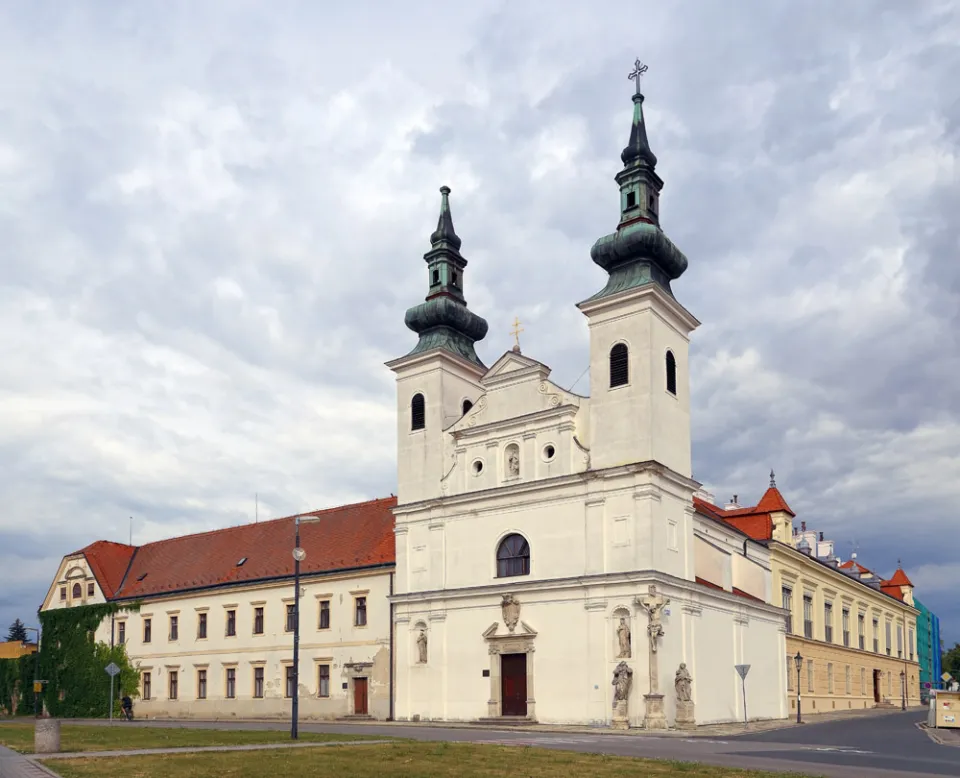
(298, 556)
(799, 662)
(903, 690)
(36, 661)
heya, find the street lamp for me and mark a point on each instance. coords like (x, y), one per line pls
(36, 661)
(798, 660)
(298, 556)
(903, 690)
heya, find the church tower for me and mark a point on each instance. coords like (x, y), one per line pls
(639, 333)
(438, 381)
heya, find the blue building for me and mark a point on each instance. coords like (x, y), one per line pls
(928, 648)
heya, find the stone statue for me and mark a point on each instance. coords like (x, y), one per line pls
(654, 603)
(682, 683)
(510, 606)
(622, 680)
(513, 463)
(654, 632)
(422, 646)
(623, 636)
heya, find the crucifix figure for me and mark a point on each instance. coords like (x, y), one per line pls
(654, 603)
(638, 70)
(517, 329)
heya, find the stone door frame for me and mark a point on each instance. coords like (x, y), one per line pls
(357, 670)
(519, 642)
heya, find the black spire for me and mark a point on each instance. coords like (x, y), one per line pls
(443, 320)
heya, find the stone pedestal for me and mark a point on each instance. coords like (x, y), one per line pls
(46, 736)
(686, 719)
(653, 717)
(621, 720)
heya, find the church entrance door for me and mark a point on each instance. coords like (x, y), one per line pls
(513, 680)
(360, 696)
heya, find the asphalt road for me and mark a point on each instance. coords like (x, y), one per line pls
(869, 746)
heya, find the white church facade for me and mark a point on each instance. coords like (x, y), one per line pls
(543, 559)
(551, 565)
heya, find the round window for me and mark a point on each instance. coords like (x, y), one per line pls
(549, 452)
(477, 467)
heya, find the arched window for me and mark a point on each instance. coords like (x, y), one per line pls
(418, 413)
(76, 591)
(467, 405)
(513, 557)
(619, 369)
(671, 373)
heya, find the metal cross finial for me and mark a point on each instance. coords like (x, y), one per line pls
(517, 329)
(773, 479)
(638, 70)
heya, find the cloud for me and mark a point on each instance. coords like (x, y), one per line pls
(214, 218)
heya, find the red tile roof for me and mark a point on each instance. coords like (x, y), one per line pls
(756, 524)
(853, 564)
(899, 579)
(772, 501)
(350, 536)
(108, 561)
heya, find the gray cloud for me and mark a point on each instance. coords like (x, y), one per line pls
(214, 220)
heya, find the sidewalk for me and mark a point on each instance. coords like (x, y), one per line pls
(14, 765)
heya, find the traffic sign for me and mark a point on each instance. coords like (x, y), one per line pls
(946, 677)
(112, 669)
(743, 670)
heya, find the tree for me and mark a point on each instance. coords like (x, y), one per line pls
(18, 632)
(951, 661)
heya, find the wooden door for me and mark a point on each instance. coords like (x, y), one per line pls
(513, 683)
(876, 686)
(360, 696)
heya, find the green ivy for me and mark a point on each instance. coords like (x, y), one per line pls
(73, 664)
(16, 682)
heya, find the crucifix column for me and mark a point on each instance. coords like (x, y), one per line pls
(654, 603)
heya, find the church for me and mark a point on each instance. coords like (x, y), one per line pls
(550, 562)
(547, 556)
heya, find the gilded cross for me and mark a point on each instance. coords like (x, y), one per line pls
(638, 70)
(517, 329)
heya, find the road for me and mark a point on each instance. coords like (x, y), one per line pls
(875, 746)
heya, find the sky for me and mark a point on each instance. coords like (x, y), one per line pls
(213, 217)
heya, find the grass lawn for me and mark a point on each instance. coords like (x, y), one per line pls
(80, 737)
(400, 760)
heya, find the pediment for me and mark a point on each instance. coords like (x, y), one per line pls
(514, 362)
(522, 630)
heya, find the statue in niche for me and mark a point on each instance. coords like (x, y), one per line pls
(513, 462)
(422, 646)
(623, 636)
(683, 683)
(622, 679)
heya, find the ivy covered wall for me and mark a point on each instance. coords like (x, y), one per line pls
(16, 685)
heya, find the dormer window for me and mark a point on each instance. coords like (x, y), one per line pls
(631, 200)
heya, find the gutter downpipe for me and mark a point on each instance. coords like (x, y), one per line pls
(392, 652)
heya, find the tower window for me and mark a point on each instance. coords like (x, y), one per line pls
(513, 557)
(631, 199)
(671, 373)
(453, 279)
(418, 414)
(653, 204)
(467, 405)
(436, 275)
(619, 368)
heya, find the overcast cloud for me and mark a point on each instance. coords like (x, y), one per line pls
(213, 216)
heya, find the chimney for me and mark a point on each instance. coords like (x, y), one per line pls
(732, 505)
(821, 536)
(803, 526)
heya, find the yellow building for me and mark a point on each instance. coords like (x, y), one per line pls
(854, 632)
(14, 649)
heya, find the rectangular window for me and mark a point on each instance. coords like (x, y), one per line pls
(174, 628)
(323, 686)
(63, 593)
(291, 618)
(145, 685)
(863, 681)
(147, 630)
(889, 684)
(845, 618)
(89, 590)
(201, 685)
(790, 671)
(899, 641)
(786, 602)
(829, 677)
(231, 683)
(201, 626)
(172, 682)
(889, 644)
(876, 636)
(258, 621)
(258, 682)
(809, 675)
(828, 622)
(231, 623)
(808, 616)
(848, 680)
(121, 632)
(324, 614)
(361, 619)
(910, 642)
(290, 684)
